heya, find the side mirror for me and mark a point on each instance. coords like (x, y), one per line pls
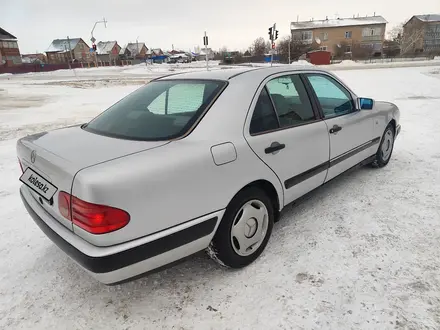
(365, 103)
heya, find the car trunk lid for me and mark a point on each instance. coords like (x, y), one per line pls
(58, 155)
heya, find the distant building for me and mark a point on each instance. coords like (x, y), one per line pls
(422, 34)
(134, 50)
(34, 58)
(65, 50)
(329, 34)
(9, 51)
(107, 51)
(203, 52)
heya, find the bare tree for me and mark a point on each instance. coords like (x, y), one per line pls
(412, 38)
(396, 33)
(258, 47)
(391, 48)
(360, 53)
(340, 50)
(223, 50)
(297, 48)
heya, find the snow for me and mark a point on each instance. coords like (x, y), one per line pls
(362, 252)
(348, 63)
(301, 62)
(338, 22)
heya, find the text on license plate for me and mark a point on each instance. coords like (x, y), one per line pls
(38, 184)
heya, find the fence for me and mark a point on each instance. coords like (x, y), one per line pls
(29, 67)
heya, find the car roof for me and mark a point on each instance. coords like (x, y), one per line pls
(244, 72)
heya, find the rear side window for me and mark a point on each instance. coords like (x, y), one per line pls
(161, 110)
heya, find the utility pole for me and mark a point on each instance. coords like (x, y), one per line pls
(290, 41)
(92, 39)
(205, 42)
(70, 52)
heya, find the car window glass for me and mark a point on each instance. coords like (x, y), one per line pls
(160, 110)
(291, 101)
(181, 98)
(264, 117)
(334, 99)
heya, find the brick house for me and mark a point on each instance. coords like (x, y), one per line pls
(107, 51)
(64, 50)
(422, 34)
(9, 51)
(134, 50)
(329, 34)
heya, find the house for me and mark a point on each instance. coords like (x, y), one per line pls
(65, 50)
(107, 51)
(422, 34)
(134, 50)
(156, 52)
(158, 56)
(9, 51)
(203, 52)
(34, 58)
(332, 34)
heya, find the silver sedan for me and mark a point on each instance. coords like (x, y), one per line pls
(194, 161)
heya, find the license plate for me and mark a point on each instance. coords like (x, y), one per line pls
(38, 184)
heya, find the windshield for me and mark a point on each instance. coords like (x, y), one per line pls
(160, 110)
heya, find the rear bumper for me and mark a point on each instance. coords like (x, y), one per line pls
(110, 268)
(398, 130)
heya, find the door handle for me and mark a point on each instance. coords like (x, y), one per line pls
(335, 129)
(275, 146)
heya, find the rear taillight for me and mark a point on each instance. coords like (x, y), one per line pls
(94, 218)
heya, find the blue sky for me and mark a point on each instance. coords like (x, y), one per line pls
(231, 23)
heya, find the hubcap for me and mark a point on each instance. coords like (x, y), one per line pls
(249, 228)
(387, 145)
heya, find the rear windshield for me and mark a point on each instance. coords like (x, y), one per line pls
(160, 110)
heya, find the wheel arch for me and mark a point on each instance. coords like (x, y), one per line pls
(269, 188)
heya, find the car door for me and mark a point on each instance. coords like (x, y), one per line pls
(350, 130)
(286, 133)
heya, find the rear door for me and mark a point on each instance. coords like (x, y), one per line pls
(286, 133)
(350, 130)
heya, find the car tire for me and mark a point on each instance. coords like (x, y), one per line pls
(244, 230)
(385, 150)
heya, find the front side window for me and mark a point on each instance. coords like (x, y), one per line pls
(161, 110)
(334, 99)
(283, 103)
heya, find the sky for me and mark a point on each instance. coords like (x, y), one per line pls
(161, 24)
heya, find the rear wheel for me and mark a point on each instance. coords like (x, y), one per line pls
(245, 229)
(385, 150)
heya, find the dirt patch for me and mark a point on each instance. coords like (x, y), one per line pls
(8, 102)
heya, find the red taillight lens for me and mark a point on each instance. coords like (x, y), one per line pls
(94, 218)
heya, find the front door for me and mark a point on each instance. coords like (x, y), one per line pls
(287, 134)
(350, 130)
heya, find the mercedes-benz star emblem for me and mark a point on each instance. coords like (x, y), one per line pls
(251, 228)
(33, 156)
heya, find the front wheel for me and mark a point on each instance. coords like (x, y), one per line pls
(245, 229)
(386, 146)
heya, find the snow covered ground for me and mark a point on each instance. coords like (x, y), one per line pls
(362, 252)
